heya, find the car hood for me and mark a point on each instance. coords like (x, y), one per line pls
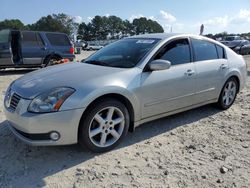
(75, 75)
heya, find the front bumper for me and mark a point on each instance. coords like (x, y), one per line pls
(26, 126)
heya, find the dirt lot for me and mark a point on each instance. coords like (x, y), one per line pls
(203, 147)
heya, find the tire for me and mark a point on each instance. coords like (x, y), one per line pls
(228, 94)
(48, 61)
(104, 126)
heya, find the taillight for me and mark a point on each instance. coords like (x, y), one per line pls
(71, 50)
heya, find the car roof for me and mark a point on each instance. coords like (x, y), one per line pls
(156, 35)
(163, 36)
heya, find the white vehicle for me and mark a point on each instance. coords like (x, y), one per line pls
(93, 46)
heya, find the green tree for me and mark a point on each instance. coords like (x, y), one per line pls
(115, 26)
(55, 23)
(128, 28)
(143, 25)
(12, 24)
(84, 31)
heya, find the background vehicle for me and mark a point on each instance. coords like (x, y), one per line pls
(236, 45)
(245, 50)
(81, 43)
(125, 84)
(93, 46)
(230, 38)
(33, 48)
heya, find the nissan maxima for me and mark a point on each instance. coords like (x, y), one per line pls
(127, 83)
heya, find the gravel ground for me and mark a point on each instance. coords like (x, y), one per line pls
(203, 147)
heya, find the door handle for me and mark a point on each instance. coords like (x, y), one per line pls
(223, 66)
(189, 72)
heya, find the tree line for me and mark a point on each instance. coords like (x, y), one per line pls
(99, 28)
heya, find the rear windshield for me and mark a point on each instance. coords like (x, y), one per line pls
(4, 36)
(56, 39)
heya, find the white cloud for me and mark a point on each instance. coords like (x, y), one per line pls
(164, 18)
(167, 17)
(221, 21)
(152, 18)
(78, 19)
(244, 14)
(90, 18)
(234, 23)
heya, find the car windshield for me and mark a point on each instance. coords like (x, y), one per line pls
(125, 53)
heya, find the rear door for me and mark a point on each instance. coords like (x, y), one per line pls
(33, 48)
(211, 67)
(5, 48)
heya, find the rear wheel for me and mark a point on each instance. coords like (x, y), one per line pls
(228, 94)
(104, 126)
(51, 60)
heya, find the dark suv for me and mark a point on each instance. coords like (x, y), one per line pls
(20, 49)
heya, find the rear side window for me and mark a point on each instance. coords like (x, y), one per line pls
(56, 39)
(177, 52)
(4, 36)
(29, 39)
(204, 50)
(221, 52)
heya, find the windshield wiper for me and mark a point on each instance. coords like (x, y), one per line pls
(96, 62)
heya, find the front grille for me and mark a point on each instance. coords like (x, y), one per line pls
(15, 98)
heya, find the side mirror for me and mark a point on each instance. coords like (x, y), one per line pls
(159, 64)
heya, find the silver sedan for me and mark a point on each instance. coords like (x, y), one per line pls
(127, 83)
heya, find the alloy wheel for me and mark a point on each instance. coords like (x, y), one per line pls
(229, 93)
(106, 126)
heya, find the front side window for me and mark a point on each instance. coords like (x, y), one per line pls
(177, 52)
(125, 53)
(29, 39)
(204, 50)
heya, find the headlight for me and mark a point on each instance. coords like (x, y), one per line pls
(50, 101)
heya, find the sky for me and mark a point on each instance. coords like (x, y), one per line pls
(183, 16)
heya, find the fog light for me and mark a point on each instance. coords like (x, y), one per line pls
(54, 136)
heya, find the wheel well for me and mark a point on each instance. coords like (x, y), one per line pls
(51, 56)
(118, 97)
(238, 82)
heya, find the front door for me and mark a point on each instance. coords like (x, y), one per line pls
(5, 48)
(168, 90)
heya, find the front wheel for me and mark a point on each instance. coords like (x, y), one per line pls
(104, 126)
(228, 94)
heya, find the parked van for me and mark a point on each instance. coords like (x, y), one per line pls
(20, 49)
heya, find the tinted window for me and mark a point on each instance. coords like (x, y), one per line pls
(204, 50)
(177, 52)
(221, 53)
(4, 36)
(29, 39)
(56, 39)
(40, 40)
